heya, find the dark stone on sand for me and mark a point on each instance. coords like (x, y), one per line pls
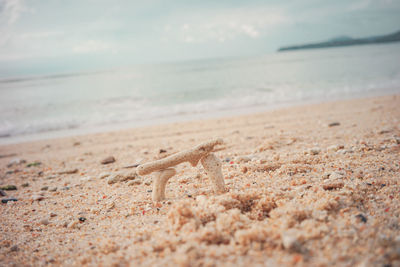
(362, 218)
(34, 164)
(384, 131)
(82, 219)
(25, 185)
(5, 200)
(130, 166)
(336, 123)
(8, 187)
(163, 151)
(72, 171)
(44, 188)
(14, 248)
(2, 193)
(108, 160)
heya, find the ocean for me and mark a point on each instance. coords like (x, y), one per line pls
(35, 107)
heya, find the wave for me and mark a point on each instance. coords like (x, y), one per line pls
(114, 112)
(48, 77)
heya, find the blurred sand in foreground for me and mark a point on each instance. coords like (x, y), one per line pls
(314, 185)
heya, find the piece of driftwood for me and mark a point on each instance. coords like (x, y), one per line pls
(202, 152)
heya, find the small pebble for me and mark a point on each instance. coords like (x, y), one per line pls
(6, 200)
(162, 151)
(362, 218)
(331, 185)
(184, 180)
(71, 171)
(128, 176)
(134, 182)
(345, 151)
(44, 188)
(315, 150)
(397, 139)
(8, 187)
(53, 189)
(2, 193)
(14, 248)
(82, 219)
(336, 175)
(326, 175)
(104, 175)
(111, 205)
(87, 179)
(45, 222)
(52, 214)
(65, 188)
(37, 197)
(34, 164)
(243, 158)
(130, 166)
(332, 124)
(244, 169)
(25, 185)
(108, 160)
(114, 178)
(384, 131)
(334, 148)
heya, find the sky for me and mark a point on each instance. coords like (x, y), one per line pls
(58, 36)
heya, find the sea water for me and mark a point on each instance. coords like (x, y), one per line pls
(45, 106)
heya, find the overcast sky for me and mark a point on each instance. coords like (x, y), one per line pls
(64, 35)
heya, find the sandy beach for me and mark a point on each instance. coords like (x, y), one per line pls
(314, 185)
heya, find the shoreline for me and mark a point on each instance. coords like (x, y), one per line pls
(306, 186)
(212, 115)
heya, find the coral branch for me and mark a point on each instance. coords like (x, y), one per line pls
(201, 152)
(213, 167)
(192, 156)
(159, 183)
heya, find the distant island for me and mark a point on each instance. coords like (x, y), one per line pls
(346, 41)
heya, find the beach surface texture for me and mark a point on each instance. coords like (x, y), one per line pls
(315, 185)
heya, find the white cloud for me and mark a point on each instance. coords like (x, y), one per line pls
(94, 46)
(250, 31)
(10, 11)
(226, 25)
(40, 35)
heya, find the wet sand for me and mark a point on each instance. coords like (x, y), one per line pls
(314, 185)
